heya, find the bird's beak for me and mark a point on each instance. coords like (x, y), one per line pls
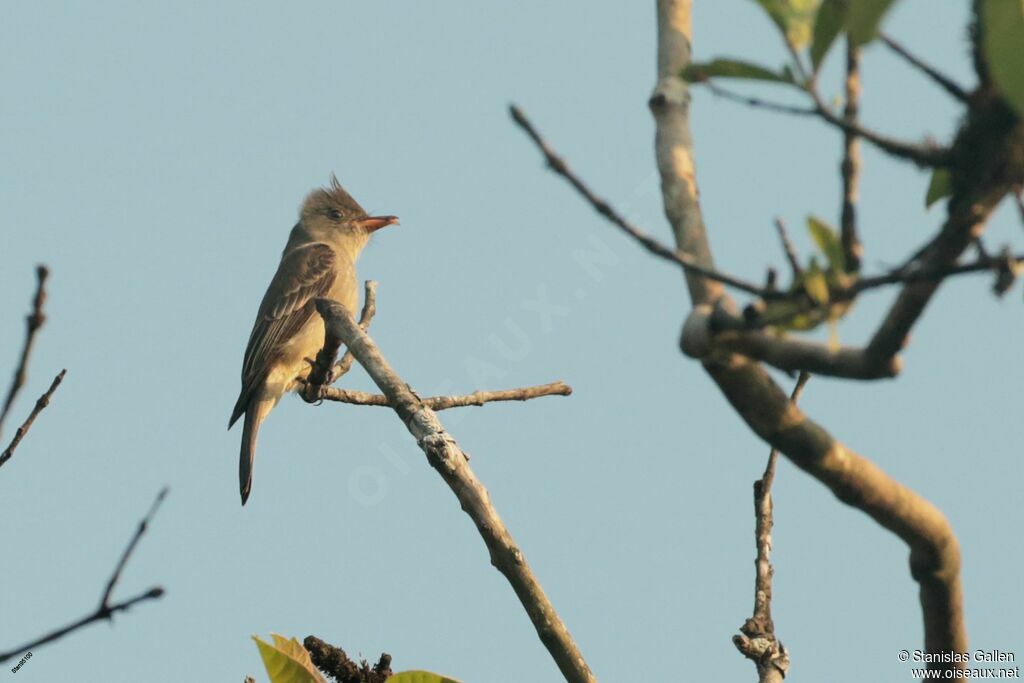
(372, 223)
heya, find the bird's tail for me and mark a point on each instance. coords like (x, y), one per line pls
(255, 413)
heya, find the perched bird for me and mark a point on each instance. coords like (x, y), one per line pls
(319, 260)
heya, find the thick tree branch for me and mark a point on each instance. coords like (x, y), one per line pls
(445, 456)
(943, 81)
(757, 640)
(934, 554)
(105, 610)
(41, 403)
(966, 221)
(33, 322)
(325, 371)
(477, 398)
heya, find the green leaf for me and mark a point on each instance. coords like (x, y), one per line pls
(1003, 22)
(828, 241)
(864, 17)
(827, 25)
(940, 186)
(788, 314)
(419, 677)
(793, 17)
(731, 68)
(287, 661)
(814, 283)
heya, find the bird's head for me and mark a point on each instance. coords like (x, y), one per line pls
(331, 214)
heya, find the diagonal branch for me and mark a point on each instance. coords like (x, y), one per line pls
(105, 610)
(686, 261)
(926, 155)
(41, 403)
(942, 80)
(445, 456)
(33, 322)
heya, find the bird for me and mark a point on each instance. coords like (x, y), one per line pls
(319, 260)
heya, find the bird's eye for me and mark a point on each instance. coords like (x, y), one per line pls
(334, 214)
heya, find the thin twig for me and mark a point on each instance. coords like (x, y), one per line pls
(758, 103)
(477, 398)
(33, 321)
(850, 166)
(942, 80)
(41, 403)
(687, 262)
(757, 640)
(369, 310)
(787, 247)
(105, 610)
(925, 155)
(445, 456)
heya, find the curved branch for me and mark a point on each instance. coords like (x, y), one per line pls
(934, 553)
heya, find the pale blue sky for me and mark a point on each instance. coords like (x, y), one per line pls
(156, 154)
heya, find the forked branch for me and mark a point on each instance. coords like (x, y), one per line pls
(106, 609)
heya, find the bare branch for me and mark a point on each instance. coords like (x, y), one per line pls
(105, 610)
(793, 354)
(681, 258)
(41, 403)
(790, 251)
(966, 220)
(850, 166)
(33, 322)
(445, 456)
(757, 640)
(369, 310)
(943, 81)
(477, 398)
(926, 155)
(758, 103)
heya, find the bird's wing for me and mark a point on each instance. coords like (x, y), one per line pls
(305, 274)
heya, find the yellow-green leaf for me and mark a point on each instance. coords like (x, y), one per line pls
(419, 677)
(731, 68)
(788, 314)
(814, 283)
(827, 24)
(828, 241)
(1003, 22)
(864, 17)
(287, 661)
(793, 17)
(940, 186)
